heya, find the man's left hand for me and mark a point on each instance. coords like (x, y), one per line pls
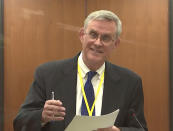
(114, 128)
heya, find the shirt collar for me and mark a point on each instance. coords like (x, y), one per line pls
(85, 69)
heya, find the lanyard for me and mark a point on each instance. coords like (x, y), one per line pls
(83, 91)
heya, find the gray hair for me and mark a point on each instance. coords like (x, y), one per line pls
(104, 15)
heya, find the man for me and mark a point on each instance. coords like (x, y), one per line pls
(117, 87)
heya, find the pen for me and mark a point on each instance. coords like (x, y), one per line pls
(53, 98)
(53, 95)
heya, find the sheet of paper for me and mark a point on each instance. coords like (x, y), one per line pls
(90, 123)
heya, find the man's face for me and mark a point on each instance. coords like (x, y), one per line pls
(98, 41)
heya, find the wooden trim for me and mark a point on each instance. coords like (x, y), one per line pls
(1, 67)
(171, 60)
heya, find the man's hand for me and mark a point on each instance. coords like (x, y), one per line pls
(114, 128)
(53, 111)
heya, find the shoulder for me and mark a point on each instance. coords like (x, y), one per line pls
(122, 71)
(59, 64)
(55, 64)
(53, 67)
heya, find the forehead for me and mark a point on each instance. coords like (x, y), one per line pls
(102, 26)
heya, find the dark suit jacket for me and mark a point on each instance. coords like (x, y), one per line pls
(122, 90)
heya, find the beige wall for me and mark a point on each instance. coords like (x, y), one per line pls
(43, 30)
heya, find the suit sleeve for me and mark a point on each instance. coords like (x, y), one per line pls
(29, 116)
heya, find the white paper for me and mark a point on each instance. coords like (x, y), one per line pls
(90, 123)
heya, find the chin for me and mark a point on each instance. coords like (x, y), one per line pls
(95, 59)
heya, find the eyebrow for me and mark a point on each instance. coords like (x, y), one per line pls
(92, 30)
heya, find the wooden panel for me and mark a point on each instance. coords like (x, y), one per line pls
(144, 48)
(1, 66)
(36, 31)
(171, 60)
(40, 31)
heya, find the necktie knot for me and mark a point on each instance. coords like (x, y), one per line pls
(91, 74)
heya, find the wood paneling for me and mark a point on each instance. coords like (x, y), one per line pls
(36, 32)
(1, 66)
(171, 60)
(144, 48)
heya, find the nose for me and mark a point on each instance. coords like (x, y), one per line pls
(98, 42)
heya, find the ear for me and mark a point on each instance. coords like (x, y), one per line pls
(117, 42)
(81, 34)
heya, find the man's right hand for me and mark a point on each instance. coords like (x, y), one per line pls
(53, 111)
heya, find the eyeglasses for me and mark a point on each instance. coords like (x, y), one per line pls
(105, 38)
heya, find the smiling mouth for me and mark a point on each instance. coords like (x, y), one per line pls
(96, 51)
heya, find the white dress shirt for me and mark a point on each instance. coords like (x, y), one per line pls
(95, 82)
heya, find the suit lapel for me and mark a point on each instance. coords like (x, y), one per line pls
(69, 90)
(111, 90)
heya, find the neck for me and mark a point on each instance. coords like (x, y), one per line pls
(93, 66)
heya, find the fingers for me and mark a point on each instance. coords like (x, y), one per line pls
(113, 128)
(54, 102)
(54, 105)
(53, 111)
